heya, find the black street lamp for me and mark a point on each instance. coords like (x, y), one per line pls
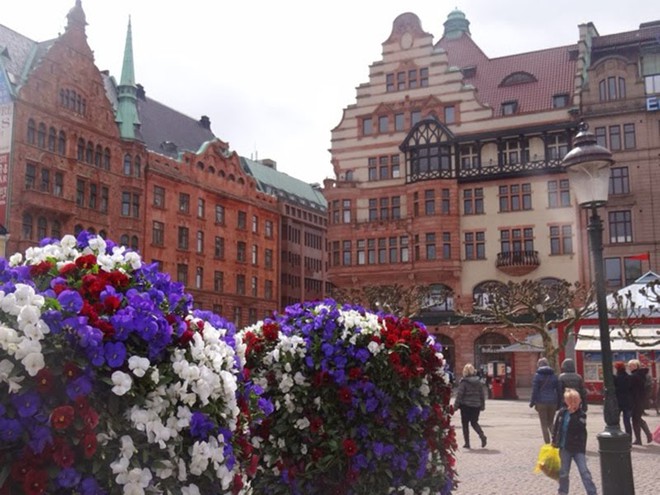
(588, 167)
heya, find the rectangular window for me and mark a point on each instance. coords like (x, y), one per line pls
(268, 289)
(346, 211)
(241, 251)
(394, 164)
(620, 225)
(620, 272)
(218, 281)
(200, 241)
(268, 229)
(559, 193)
(561, 239)
(158, 234)
(240, 284)
(615, 137)
(429, 202)
(399, 122)
(255, 254)
(382, 250)
(619, 181)
(268, 258)
(389, 82)
(93, 196)
(601, 136)
(450, 115)
(393, 250)
(517, 240)
(255, 224)
(367, 126)
(241, 220)
(516, 197)
(424, 77)
(125, 204)
(184, 203)
(219, 214)
(254, 287)
(135, 205)
(383, 124)
(80, 193)
(404, 256)
(415, 117)
(560, 101)
(475, 245)
(182, 238)
(346, 253)
(473, 201)
(372, 164)
(30, 176)
(105, 195)
(383, 168)
(430, 246)
(45, 180)
(201, 207)
(446, 245)
(159, 197)
(371, 251)
(556, 146)
(360, 246)
(629, 141)
(444, 201)
(396, 207)
(199, 277)
(219, 248)
(182, 273)
(509, 107)
(58, 187)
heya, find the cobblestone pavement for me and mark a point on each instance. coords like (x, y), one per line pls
(506, 465)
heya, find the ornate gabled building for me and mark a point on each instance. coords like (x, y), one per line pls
(448, 171)
(80, 151)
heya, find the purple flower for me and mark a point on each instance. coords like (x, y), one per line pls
(266, 406)
(201, 426)
(79, 387)
(40, 436)
(27, 404)
(10, 430)
(70, 301)
(68, 478)
(115, 354)
(90, 486)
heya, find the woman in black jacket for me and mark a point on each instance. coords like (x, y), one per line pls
(637, 389)
(623, 395)
(471, 400)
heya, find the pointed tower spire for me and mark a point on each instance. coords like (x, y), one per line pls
(76, 17)
(127, 112)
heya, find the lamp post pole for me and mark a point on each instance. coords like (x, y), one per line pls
(588, 167)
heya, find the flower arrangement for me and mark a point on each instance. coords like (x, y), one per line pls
(110, 382)
(361, 404)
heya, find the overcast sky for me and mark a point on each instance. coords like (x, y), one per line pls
(275, 76)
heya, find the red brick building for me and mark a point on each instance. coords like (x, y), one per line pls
(79, 150)
(448, 171)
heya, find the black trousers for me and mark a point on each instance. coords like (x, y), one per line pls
(470, 416)
(638, 423)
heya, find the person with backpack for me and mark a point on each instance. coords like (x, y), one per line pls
(545, 396)
(570, 379)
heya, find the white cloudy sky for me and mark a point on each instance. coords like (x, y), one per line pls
(274, 76)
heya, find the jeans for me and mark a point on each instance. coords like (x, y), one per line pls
(547, 416)
(627, 416)
(581, 463)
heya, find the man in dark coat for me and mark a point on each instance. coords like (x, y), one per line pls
(638, 392)
(623, 394)
(570, 379)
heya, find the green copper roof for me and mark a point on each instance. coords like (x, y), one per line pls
(284, 186)
(127, 112)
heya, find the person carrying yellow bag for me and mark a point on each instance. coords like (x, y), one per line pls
(569, 434)
(548, 461)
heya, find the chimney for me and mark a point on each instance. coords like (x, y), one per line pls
(269, 163)
(205, 122)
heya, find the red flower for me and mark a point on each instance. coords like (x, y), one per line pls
(35, 482)
(237, 484)
(111, 304)
(71, 371)
(350, 447)
(354, 373)
(41, 268)
(86, 261)
(345, 395)
(315, 424)
(270, 331)
(20, 469)
(44, 380)
(89, 444)
(91, 418)
(62, 417)
(186, 337)
(68, 269)
(63, 455)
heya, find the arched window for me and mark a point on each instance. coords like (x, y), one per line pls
(127, 164)
(98, 155)
(56, 229)
(31, 131)
(61, 143)
(41, 135)
(439, 298)
(27, 226)
(134, 243)
(123, 240)
(89, 152)
(52, 139)
(42, 227)
(137, 166)
(106, 159)
(484, 293)
(81, 149)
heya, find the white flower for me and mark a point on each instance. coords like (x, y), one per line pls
(127, 448)
(424, 389)
(302, 423)
(374, 347)
(33, 363)
(122, 382)
(138, 365)
(14, 382)
(190, 490)
(155, 376)
(16, 259)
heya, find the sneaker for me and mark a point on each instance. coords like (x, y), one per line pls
(483, 441)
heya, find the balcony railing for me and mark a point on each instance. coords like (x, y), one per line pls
(518, 263)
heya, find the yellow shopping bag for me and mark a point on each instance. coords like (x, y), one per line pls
(548, 462)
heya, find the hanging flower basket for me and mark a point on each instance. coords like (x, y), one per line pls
(361, 404)
(110, 382)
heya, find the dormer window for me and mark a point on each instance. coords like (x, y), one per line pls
(518, 78)
(560, 101)
(509, 107)
(612, 88)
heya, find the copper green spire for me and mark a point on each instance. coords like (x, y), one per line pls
(127, 113)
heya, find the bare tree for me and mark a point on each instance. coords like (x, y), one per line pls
(397, 299)
(534, 305)
(632, 310)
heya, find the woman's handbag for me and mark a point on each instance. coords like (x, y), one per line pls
(548, 461)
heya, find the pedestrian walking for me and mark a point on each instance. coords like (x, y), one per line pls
(623, 395)
(545, 396)
(569, 435)
(568, 378)
(471, 400)
(638, 393)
